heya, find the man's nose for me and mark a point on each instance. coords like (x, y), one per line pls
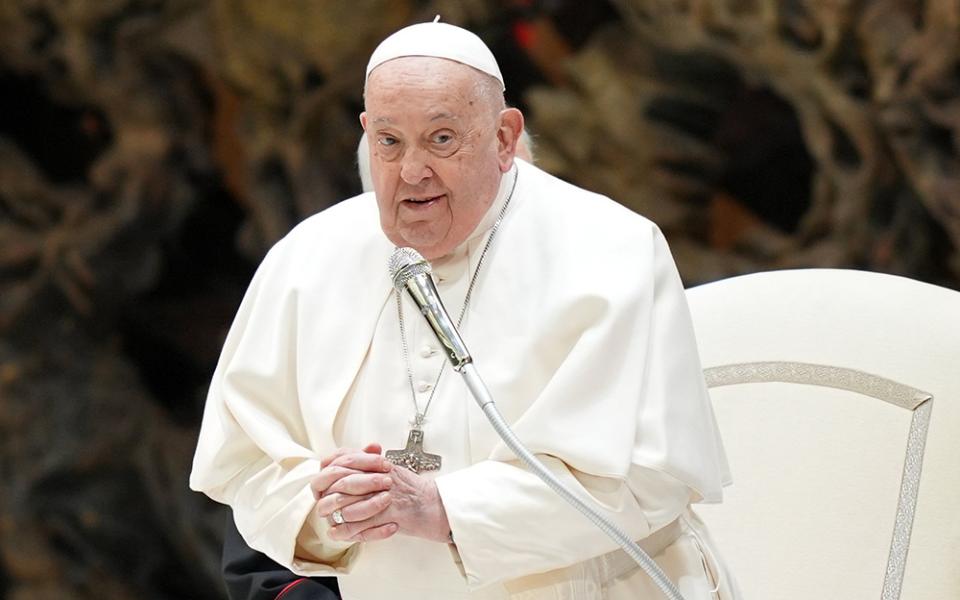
(415, 167)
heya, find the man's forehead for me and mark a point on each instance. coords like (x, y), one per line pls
(434, 88)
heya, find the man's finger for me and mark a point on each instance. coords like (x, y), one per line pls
(372, 448)
(328, 503)
(380, 532)
(358, 484)
(331, 502)
(363, 531)
(362, 508)
(327, 477)
(326, 460)
(362, 461)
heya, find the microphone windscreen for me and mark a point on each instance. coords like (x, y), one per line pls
(404, 264)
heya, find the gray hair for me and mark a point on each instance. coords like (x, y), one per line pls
(363, 164)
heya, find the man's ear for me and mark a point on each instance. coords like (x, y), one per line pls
(511, 126)
(363, 120)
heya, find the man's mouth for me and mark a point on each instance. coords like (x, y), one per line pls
(423, 201)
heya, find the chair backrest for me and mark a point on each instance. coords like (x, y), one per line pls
(838, 396)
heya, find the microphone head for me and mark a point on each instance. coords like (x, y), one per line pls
(406, 263)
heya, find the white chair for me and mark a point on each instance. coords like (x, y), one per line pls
(838, 397)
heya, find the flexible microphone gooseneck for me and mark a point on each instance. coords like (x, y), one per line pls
(411, 272)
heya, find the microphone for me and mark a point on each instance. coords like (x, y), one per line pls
(411, 272)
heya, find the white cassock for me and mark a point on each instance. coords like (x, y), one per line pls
(578, 325)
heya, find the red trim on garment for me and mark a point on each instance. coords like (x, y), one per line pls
(289, 587)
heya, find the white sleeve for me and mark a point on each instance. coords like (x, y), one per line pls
(253, 452)
(507, 523)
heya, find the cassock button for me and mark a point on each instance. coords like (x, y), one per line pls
(424, 386)
(427, 351)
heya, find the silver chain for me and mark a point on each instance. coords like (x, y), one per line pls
(420, 417)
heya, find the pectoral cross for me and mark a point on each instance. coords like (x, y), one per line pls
(413, 457)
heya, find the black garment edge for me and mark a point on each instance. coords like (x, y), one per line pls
(252, 575)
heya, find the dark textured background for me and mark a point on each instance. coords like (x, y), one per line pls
(152, 150)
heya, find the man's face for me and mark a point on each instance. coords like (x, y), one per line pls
(438, 147)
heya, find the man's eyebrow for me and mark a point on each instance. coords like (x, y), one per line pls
(437, 117)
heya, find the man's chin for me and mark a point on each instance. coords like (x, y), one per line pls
(429, 245)
(432, 250)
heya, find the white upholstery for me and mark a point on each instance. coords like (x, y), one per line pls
(817, 470)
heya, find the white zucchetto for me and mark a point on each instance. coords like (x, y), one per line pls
(440, 40)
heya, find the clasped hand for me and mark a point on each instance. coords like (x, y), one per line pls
(376, 498)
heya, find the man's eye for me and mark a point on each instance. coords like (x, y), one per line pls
(387, 141)
(442, 138)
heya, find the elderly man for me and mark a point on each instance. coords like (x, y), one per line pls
(574, 313)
